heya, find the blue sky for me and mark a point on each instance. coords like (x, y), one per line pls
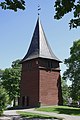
(16, 31)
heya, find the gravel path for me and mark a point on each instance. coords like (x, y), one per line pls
(11, 115)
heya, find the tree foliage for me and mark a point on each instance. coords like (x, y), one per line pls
(4, 99)
(65, 92)
(63, 7)
(13, 4)
(73, 70)
(11, 79)
(1, 73)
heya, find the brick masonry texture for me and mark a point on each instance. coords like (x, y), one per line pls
(48, 87)
(39, 83)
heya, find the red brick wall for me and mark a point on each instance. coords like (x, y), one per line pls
(48, 93)
(29, 85)
(40, 83)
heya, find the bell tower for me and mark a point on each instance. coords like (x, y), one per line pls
(40, 80)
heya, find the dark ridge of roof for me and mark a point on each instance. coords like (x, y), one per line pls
(39, 46)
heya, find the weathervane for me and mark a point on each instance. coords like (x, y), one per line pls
(39, 8)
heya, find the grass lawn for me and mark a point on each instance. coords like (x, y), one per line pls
(35, 115)
(61, 110)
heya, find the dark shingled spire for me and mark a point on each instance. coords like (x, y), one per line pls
(39, 47)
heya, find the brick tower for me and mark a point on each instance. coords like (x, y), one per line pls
(40, 80)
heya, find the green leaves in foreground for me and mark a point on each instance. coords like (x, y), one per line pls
(13, 4)
(4, 99)
(62, 7)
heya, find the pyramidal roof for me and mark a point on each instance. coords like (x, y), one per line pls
(39, 47)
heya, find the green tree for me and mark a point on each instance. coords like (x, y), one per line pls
(62, 7)
(65, 91)
(4, 99)
(11, 79)
(73, 70)
(13, 4)
(1, 73)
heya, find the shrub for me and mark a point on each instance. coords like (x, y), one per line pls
(4, 100)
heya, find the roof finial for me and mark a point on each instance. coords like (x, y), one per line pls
(39, 8)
